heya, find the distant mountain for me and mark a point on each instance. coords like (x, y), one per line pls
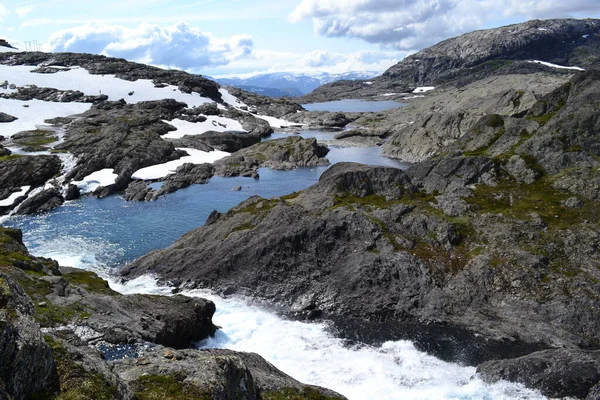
(293, 84)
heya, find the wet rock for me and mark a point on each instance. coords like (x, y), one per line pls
(137, 191)
(72, 192)
(556, 373)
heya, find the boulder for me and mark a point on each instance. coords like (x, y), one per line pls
(557, 373)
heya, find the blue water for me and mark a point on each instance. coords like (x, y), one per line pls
(111, 231)
(354, 105)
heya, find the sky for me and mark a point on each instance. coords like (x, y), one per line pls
(244, 37)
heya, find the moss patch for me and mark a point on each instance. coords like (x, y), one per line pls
(157, 387)
(76, 382)
(89, 281)
(295, 394)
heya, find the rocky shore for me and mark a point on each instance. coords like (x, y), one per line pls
(57, 326)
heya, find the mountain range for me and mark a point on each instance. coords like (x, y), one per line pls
(279, 84)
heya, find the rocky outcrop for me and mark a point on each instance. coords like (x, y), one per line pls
(101, 65)
(264, 105)
(122, 137)
(224, 141)
(27, 368)
(279, 154)
(556, 373)
(478, 55)
(18, 171)
(46, 200)
(61, 362)
(219, 374)
(50, 94)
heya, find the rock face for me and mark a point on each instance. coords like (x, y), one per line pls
(506, 50)
(556, 373)
(217, 374)
(279, 154)
(27, 367)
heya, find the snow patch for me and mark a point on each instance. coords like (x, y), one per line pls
(368, 83)
(231, 99)
(586, 36)
(212, 123)
(10, 200)
(547, 64)
(424, 89)
(104, 177)
(278, 122)
(115, 88)
(31, 114)
(161, 171)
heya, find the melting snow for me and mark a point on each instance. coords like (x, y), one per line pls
(161, 171)
(31, 114)
(423, 89)
(10, 200)
(104, 177)
(212, 123)
(547, 64)
(115, 88)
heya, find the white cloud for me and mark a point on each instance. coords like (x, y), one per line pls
(413, 24)
(262, 61)
(3, 12)
(179, 45)
(21, 12)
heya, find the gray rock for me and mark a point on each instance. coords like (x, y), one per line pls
(518, 169)
(72, 192)
(556, 373)
(7, 118)
(44, 201)
(573, 202)
(220, 374)
(279, 154)
(26, 364)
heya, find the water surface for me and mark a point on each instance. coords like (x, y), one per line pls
(354, 105)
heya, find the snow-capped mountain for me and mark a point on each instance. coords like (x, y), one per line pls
(290, 82)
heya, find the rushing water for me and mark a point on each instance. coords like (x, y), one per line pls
(354, 105)
(103, 234)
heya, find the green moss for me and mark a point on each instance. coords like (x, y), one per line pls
(90, 281)
(36, 140)
(77, 382)
(11, 157)
(296, 394)
(350, 201)
(49, 314)
(157, 387)
(55, 151)
(519, 201)
(290, 196)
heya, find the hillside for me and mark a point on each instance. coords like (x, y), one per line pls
(476, 55)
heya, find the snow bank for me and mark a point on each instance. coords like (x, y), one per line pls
(104, 177)
(547, 64)
(231, 99)
(161, 171)
(10, 200)
(31, 114)
(424, 89)
(212, 123)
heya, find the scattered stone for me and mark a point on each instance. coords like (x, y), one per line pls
(237, 188)
(4, 118)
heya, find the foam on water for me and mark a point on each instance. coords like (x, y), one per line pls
(310, 353)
